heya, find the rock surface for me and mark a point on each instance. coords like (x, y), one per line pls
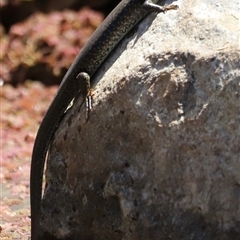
(159, 157)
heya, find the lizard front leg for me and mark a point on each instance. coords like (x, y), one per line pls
(86, 91)
(150, 6)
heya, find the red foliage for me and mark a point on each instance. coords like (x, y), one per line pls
(45, 43)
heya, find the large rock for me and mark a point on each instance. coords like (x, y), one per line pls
(159, 157)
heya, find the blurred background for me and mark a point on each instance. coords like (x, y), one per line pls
(39, 40)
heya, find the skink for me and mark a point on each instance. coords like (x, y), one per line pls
(119, 22)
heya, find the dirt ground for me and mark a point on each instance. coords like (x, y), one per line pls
(22, 109)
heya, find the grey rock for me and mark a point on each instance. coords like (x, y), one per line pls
(159, 157)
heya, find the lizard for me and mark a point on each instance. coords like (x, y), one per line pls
(78, 80)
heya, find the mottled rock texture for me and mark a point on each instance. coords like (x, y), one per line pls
(159, 157)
